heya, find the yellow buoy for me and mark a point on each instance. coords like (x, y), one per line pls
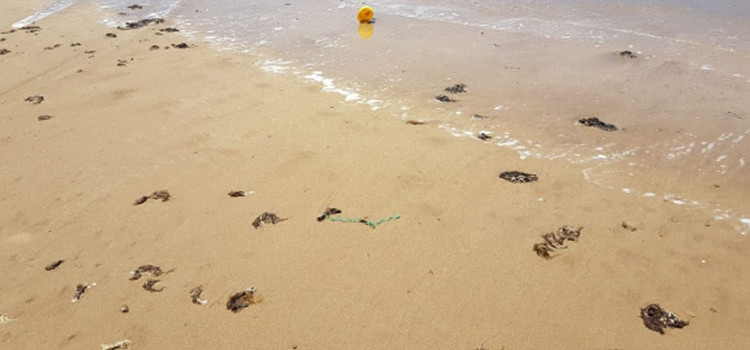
(365, 14)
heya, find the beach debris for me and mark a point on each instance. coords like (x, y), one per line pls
(54, 265)
(154, 47)
(556, 240)
(365, 221)
(629, 226)
(160, 194)
(135, 7)
(365, 13)
(124, 309)
(82, 288)
(484, 136)
(122, 344)
(110, 35)
(241, 300)
(36, 99)
(479, 117)
(414, 122)
(456, 89)
(595, 122)
(42, 118)
(195, 294)
(52, 47)
(142, 23)
(443, 98)
(657, 319)
(152, 270)
(29, 29)
(8, 32)
(627, 54)
(75, 44)
(5, 319)
(267, 218)
(4, 52)
(169, 30)
(2, 39)
(149, 285)
(518, 177)
(328, 212)
(89, 52)
(180, 46)
(239, 193)
(122, 63)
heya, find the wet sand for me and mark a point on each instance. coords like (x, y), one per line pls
(455, 271)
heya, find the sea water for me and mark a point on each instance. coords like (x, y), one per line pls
(532, 69)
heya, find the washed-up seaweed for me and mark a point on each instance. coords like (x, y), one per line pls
(329, 212)
(75, 44)
(456, 89)
(518, 177)
(479, 117)
(4, 52)
(42, 118)
(657, 319)
(556, 240)
(135, 7)
(110, 35)
(36, 99)
(627, 54)
(241, 300)
(154, 47)
(30, 29)
(266, 218)
(169, 30)
(141, 23)
(414, 122)
(484, 136)
(152, 270)
(596, 123)
(149, 285)
(161, 194)
(443, 98)
(122, 344)
(80, 289)
(52, 47)
(180, 46)
(195, 295)
(54, 265)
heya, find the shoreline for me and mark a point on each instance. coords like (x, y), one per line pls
(455, 271)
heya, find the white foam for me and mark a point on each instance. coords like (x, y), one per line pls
(649, 194)
(627, 190)
(46, 12)
(746, 223)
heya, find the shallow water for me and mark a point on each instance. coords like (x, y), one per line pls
(532, 68)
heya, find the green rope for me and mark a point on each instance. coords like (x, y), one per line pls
(372, 224)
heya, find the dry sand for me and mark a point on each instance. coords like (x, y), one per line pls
(456, 271)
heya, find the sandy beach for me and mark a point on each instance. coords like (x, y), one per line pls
(454, 268)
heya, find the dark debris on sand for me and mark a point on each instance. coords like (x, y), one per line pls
(235, 194)
(518, 177)
(444, 98)
(154, 47)
(135, 7)
(110, 35)
(241, 300)
(414, 122)
(195, 295)
(149, 286)
(161, 194)
(153, 270)
(657, 319)
(75, 44)
(141, 23)
(36, 99)
(54, 265)
(42, 118)
(180, 46)
(556, 240)
(52, 47)
(456, 89)
(266, 218)
(627, 54)
(169, 30)
(328, 212)
(596, 123)
(4, 52)
(484, 136)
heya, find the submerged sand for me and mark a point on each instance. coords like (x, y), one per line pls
(456, 270)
